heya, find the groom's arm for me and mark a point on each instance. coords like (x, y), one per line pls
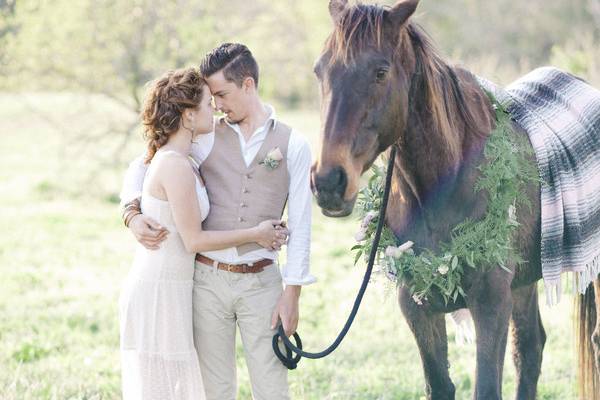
(296, 271)
(133, 181)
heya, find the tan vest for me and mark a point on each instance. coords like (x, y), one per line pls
(240, 196)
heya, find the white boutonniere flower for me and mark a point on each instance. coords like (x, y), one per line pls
(273, 159)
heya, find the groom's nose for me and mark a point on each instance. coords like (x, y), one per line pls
(218, 104)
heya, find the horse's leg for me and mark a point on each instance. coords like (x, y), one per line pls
(596, 333)
(429, 330)
(501, 358)
(490, 303)
(529, 338)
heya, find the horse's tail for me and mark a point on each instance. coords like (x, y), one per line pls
(585, 323)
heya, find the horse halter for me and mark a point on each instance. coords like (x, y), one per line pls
(294, 352)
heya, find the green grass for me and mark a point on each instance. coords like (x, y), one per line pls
(64, 252)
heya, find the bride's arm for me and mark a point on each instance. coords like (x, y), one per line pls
(178, 182)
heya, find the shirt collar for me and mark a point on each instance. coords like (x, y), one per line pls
(271, 119)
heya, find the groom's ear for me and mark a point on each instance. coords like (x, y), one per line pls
(248, 83)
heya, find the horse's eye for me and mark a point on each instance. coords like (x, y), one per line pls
(381, 74)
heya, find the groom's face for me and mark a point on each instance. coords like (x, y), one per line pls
(229, 98)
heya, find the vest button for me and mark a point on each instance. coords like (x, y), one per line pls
(243, 205)
(248, 176)
(246, 190)
(241, 219)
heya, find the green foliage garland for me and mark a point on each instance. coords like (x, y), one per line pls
(475, 244)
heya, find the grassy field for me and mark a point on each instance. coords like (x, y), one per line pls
(64, 252)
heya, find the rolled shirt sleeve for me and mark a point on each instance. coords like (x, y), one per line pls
(296, 271)
(133, 180)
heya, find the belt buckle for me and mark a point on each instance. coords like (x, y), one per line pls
(244, 268)
(229, 266)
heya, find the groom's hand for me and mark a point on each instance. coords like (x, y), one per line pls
(287, 310)
(147, 231)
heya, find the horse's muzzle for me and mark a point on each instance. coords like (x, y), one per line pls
(329, 189)
(338, 213)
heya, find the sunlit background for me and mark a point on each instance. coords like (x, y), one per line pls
(72, 77)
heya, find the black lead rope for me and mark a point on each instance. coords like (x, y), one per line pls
(294, 352)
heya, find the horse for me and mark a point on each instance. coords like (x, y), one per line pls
(383, 83)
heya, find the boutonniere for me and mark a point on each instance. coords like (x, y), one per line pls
(273, 159)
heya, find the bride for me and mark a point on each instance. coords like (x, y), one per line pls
(157, 350)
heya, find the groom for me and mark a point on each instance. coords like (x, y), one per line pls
(252, 164)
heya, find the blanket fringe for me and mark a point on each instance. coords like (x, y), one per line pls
(577, 280)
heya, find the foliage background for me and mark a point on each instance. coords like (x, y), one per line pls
(72, 77)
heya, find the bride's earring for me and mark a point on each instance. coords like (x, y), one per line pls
(193, 130)
(190, 130)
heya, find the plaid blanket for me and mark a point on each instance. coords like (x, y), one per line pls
(561, 115)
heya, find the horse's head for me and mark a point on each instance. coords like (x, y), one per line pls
(364, 93)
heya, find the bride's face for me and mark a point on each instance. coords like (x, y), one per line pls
(203, 114)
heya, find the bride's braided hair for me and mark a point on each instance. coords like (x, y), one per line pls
(166, 100)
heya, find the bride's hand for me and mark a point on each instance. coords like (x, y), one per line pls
(271, 234)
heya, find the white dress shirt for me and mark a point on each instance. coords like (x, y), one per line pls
(296, 270)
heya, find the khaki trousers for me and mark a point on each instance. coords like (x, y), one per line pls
(221, 300)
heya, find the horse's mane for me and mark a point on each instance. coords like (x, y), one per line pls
(435, 87)
(357, 29)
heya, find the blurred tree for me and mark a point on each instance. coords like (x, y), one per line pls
(112, 48)
(7, 27)
(580, 54)
(115, 46)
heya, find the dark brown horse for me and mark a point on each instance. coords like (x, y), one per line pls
(383, 83)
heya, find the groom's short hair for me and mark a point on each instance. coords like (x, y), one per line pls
(234, 59)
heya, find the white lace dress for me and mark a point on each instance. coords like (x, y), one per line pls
(158, 358)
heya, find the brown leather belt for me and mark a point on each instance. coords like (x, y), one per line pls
(239, 268)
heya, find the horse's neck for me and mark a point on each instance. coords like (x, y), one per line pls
(445, 127)
(435, 188)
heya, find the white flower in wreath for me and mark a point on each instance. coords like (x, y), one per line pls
(512, 215)
(390, 251)
(273, 159)
(361, 234)
(443, 269)
(417, 299)
(396, 252)
(368, 218)
(406, 246)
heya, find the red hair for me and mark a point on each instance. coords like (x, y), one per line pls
(167, 98)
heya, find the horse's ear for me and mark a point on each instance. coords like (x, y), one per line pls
(336, 9)
(402, 11)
